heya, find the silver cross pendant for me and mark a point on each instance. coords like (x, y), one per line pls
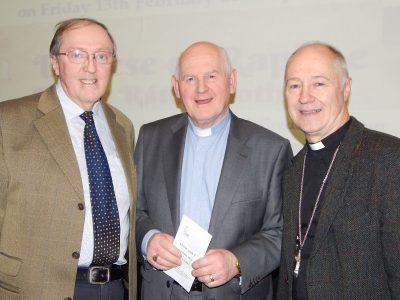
(297, 257)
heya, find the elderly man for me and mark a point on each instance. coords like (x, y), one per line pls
(67, 179)
(341, 195)
(221, 171)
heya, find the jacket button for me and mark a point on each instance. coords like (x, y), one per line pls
(286, 280)
(75, 255)
(81, 206)
(168, 284)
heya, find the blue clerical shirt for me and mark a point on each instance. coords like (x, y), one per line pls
(201, 168)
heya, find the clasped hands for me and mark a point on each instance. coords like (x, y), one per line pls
(215, 268)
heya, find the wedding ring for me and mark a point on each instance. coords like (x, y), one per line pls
(155, 256)
(211, 278)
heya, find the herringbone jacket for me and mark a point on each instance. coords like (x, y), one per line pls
(356, 251)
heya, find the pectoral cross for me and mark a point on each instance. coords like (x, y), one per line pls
(297, 258)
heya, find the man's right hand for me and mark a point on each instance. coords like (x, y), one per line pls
(161, 253)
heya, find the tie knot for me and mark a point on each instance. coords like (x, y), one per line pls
(87, 116)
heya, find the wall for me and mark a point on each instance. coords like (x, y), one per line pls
(259, 36)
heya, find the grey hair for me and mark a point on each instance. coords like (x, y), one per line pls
(339, 58)
(227, 65)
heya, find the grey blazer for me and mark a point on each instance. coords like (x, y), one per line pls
(246, 218)
(356, 251)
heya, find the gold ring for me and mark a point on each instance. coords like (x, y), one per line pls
(211, 278)
(155, 256)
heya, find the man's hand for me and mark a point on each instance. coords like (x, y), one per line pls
(216, 268)
(161, 253)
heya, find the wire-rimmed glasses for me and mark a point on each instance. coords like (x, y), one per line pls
(78, 56)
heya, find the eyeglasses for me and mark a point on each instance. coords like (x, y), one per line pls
(78, 56)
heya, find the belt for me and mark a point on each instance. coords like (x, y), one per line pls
(196, 286)
(100, 275)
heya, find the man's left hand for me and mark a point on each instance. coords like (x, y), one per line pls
(215, 268)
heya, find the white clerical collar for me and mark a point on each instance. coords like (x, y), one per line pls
(317, 146)
(206, 132)
(202, 132)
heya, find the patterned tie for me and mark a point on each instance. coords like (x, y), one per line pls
(106, 227)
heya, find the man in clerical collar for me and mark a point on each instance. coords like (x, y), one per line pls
(222, 172)
(342, 193)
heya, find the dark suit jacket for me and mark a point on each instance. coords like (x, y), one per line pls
(41, 222)
(356, 251)
(246, 217)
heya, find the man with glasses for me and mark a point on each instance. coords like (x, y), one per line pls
(67, 180)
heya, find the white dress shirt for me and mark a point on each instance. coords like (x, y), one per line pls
(76, 127)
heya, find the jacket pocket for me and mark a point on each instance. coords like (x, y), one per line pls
(9, 269)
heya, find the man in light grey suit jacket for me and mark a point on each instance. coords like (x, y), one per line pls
(221, 171)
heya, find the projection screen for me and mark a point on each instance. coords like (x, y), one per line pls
(259, 35)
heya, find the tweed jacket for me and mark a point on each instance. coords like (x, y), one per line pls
(246, 216)
(41, 196)
(356, 251)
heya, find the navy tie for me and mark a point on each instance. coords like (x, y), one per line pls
(106, 228)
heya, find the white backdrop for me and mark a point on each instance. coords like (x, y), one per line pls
(259, 35)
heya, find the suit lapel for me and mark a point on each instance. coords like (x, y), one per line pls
(173, 157)
(291, 218)
(337, 185)
(235, 157)
(53, 129)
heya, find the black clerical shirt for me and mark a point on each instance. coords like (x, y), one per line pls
(317, 164)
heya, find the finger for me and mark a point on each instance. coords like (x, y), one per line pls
(201, 268)
(163, 259)
(211, 280)
(171, 249)
(169, 259)
(161, 242)
(162, 264)
(215, 263)
(202, 262)
(158, 253)
(203, 273)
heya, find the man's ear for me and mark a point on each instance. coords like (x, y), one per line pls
(347, 89)
(232, 81)
(54, 64)
(175, 85)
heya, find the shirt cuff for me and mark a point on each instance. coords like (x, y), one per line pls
(145, 240)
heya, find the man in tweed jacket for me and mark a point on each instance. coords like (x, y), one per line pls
(46, 237)
(345, 230)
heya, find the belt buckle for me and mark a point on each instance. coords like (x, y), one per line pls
(99, 275)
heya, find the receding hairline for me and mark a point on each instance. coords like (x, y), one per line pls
(338, 57)
(222, 53)
(74, 23)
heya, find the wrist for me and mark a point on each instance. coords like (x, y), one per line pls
(238, 270)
